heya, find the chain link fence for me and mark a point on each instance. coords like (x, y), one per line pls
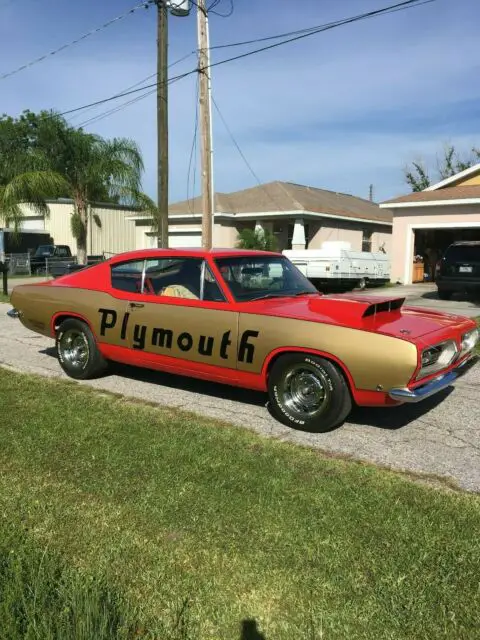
(18, 264)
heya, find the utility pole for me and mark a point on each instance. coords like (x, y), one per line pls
(205, 125)
(370, 193)
(162, 123)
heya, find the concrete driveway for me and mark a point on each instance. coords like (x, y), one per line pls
(425, 296)
(441, 436)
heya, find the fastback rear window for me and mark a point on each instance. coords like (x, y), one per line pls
(463, 253)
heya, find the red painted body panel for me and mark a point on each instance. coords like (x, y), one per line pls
(180, 367)
(343, 310)
(421, 327)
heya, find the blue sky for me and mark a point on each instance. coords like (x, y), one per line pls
(339, 110)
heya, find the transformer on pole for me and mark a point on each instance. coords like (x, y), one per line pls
(179, 7)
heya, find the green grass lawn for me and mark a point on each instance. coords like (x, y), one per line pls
(4, 298)
(198, 526)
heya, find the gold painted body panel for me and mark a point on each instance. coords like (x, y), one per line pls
(371, 359)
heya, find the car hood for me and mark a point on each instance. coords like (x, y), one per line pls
(378, 314)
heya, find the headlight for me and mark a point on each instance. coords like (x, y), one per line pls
(437, 357)
(469, 340)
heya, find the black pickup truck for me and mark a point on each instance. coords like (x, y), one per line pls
(57, 260)
(48, 254)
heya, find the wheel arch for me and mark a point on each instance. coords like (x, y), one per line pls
(278, 353)
(61, 316)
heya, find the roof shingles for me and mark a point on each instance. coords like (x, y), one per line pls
(287, 196)
(447, 193)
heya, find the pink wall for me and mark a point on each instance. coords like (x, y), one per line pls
(406, 220)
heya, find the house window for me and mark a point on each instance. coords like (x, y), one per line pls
(367, 240)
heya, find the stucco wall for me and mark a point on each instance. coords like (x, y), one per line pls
(382, 238)
(406, 220)
(349, 232)
(225, 235)
(474, 180)
(329, 232)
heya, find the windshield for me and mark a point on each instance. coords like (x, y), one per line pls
(44, 250)
(254, 277)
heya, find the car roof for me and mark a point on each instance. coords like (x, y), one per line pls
(466, 243)
(142, 254)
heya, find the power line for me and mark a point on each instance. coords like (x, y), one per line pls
(406, 4)
(215, 3)
(124, 93)
(110, 112)
(119, 108)
(193, 152)
(122, 106)
(143, 5)
(152, 75)
(317, 28)
(229, 131)
(211, 8)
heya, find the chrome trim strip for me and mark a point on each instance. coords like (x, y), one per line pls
(433, 386)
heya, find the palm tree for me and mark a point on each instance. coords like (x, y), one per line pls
(71, 163)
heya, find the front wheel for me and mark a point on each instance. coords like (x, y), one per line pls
(308, 392)
(77, 351)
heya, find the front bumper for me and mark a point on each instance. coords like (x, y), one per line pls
(13, 313)
(435, 385)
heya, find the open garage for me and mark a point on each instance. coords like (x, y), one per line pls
(426, 222)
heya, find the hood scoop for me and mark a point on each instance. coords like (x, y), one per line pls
(355, 306)
(392, 304)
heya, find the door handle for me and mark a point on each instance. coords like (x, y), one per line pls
(136, 305)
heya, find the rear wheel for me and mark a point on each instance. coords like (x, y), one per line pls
(362, 283)
(308, 392)
(77, 351)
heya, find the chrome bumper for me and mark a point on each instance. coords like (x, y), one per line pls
(435, 385)
(13, 313)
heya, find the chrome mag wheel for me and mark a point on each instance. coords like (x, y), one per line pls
(74, 348)
(305, 390)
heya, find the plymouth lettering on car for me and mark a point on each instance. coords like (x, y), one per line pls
(249, 319)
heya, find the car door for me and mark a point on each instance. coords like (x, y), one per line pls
(178, 318)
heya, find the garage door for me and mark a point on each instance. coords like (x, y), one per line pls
(188, 240)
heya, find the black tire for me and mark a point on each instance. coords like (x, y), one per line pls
(77, 351)
(444, 294)
(308, 392)
(362, 283)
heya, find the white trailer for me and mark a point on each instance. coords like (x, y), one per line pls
(335, 265)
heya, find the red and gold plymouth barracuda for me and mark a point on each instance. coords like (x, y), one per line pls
(249, 319)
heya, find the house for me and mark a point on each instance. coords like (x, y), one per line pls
(299, 216)
(426, 222)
